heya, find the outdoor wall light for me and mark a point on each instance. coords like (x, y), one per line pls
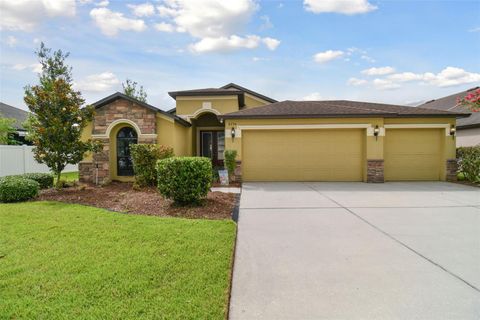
(232, 132)
(376, 131)
(453, 130)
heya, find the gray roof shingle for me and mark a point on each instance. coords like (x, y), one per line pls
(336, 108)
(7, 111)
(449, 103)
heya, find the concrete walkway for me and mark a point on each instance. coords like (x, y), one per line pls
(357, 251)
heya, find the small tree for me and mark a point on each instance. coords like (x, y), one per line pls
(131, 90)
(57, 118)
(7, 130)
(471, 101)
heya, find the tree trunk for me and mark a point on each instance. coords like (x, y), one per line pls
(58, 184)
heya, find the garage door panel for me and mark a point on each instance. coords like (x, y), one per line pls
(412, 154)
(303, 155)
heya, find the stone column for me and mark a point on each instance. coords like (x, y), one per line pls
(375, 168)
(451, 172)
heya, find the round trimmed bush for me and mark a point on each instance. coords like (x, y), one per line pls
(14, 189)
(185, 180)
(45, 180)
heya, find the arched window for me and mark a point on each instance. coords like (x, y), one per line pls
(125, 137)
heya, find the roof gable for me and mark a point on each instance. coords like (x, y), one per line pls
(253, 93)
(118, 95)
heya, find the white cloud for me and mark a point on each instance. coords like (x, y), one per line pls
(103, 3)
(314, 96)
(34, 67)
(378, 71)
(110, 22)
(209, 18)
(11, 41)
(349, 7)
(326, 56)
(367, 58)
(25, 15)
(232, 43)
(356, 82)
(142, 10)
(271, 43)
(164, 27)
(385, 84)
(451, 76)
(405, 77)
(101, 82)
(217, 24)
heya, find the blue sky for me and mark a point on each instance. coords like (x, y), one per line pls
(384, 51)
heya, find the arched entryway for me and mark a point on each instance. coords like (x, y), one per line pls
(126, 136)
(210, 137)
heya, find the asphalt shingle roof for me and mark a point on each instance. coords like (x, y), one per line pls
(7, 111)
(449, 103)
(336, 108)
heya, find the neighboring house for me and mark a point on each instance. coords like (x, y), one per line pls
(7, 111)
(278, 141)
(468, 129)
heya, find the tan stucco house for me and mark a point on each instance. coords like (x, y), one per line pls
(278, 141)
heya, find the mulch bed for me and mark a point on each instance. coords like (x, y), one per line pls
(121, 197)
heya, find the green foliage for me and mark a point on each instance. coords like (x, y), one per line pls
(130, 89)
(230, 163)
(145, 157)
(7, 130)
(57, 118)
(186, 180)
(469, 162)
(45, 180)
(15, 188)
(57, 261)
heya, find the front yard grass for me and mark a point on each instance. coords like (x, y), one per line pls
(64, 261)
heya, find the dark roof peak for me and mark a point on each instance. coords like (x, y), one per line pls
(119, 95)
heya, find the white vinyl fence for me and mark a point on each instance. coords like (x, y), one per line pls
(19, 160)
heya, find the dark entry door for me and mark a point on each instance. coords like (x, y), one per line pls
(212, 145)
(125, 137)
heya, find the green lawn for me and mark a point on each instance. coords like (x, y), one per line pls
(62, 261)
(69, 176)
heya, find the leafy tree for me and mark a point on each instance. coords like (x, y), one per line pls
(471, 101)
(57, 118)
(131, 90)
(7, 130)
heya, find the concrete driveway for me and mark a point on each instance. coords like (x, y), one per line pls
(357, 251)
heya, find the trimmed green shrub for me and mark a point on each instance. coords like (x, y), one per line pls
(185, 180)
(230, 162)
(45, 180)
(14, 189)
(145, 157)
(469, 162)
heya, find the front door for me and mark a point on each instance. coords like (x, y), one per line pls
(125, 137)
(212, 145)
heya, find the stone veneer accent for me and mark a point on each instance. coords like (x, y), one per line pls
(451, 172)
(375, 170)
(119, 109)
(238, 171)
